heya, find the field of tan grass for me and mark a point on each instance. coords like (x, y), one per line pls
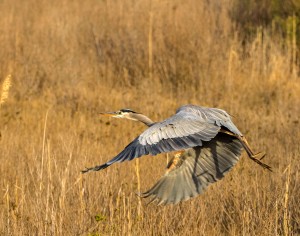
(70, 60)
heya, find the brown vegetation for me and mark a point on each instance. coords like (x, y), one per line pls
(71, 59)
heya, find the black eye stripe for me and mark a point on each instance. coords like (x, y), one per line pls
(127, 111)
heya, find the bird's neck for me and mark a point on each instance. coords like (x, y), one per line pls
(142, 118)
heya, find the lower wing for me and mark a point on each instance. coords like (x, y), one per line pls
(190, 174)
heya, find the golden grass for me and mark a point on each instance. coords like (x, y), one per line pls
(5, 89)
(72, 60)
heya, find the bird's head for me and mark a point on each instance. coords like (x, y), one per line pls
(123, 113)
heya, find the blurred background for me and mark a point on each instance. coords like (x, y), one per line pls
(70, 60)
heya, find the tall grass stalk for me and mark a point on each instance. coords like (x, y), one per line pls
(286, 216)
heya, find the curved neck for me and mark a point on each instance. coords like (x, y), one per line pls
(142, 118)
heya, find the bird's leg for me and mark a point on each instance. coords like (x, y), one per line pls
(249, 151)
(246, 145)
(174, 161)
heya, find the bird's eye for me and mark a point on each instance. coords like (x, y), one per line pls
(119, 113)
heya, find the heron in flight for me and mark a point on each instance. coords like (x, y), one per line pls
(207, 145)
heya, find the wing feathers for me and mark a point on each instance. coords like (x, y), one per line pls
(188, 128)
(199, 167)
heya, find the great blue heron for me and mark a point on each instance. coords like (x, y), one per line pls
(208, 145)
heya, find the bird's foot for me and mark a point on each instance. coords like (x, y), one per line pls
(254, 158)
(259, 155)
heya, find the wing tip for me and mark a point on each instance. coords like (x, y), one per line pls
(96, 168)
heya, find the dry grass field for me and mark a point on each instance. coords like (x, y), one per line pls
(70, 60)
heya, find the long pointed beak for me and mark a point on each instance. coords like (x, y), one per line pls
(110, 114)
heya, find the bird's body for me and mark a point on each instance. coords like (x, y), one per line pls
(208, 142)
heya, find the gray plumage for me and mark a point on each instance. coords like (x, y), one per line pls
(196, 170)
(209, 144)
(189, 127)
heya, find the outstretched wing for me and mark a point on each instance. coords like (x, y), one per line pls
(195, 170)
(188, 128)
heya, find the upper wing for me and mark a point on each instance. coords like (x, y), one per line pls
(189, 127)
(196, 169)
(213, 115)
